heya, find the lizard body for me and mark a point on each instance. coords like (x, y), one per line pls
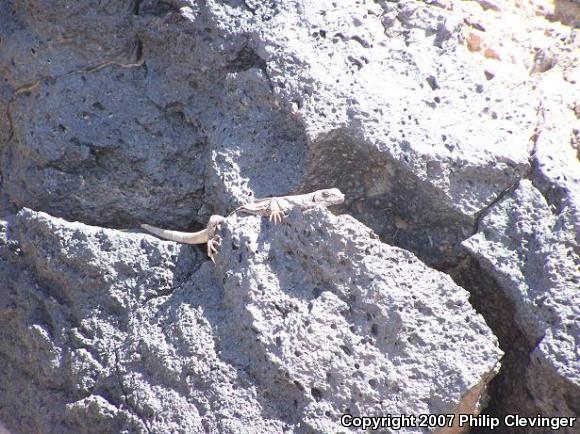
(207, 235)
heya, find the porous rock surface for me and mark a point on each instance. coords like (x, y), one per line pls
(451, 127)
(529, 241)
(205, 103)
(294, 326)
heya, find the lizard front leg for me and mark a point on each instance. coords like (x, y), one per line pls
(276, 211)
(270, 207)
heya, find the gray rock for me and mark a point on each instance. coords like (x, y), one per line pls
(115, 113)
(78, 156)
(529, 243)
(294, 326)
(234, 100)
(529, 250)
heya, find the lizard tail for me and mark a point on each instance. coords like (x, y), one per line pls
(180, 237)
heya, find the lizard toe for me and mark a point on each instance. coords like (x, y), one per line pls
(276, 216)
(212, 249)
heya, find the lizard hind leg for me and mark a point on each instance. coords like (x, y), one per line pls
(211, 246)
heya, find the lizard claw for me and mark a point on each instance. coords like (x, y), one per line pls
(276, 216)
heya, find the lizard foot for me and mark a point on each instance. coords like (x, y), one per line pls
(276, 216)
(211, 246)
(276, 210)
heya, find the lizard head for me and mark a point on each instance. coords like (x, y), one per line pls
(328, 196)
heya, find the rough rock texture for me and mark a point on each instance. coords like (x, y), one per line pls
(529, 250)
(529, 241)
(452, 128)
(285, 96)
(123, 332)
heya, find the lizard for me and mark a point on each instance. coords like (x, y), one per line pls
(208, 235)
(272, 207)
